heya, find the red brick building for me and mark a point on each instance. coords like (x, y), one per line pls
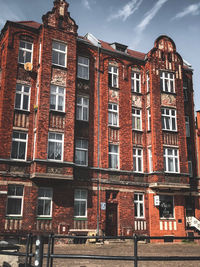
(94, 136)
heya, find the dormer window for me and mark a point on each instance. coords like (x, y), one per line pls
(120, 47)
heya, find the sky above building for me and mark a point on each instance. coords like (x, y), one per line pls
(136, 23)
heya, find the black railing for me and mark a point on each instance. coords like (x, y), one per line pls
(50, 255)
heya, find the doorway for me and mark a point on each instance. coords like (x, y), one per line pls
(111, 219)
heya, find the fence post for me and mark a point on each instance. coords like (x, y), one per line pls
(39, 251)
(135, 251)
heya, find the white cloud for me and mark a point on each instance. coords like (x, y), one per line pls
(126, 10)
(11, 12)
(150, 15)
(193, 10)
(86, 4)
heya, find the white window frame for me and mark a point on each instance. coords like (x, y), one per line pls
(19, 141)
(23, 94)
(113, 154)
(40, 53)
(34, 144)
(82, 106)
(135, 81)
(173, 158)
(25, 50)
(45, 198)
(167, 83)
(161, 205)
(187, 126)
(59, 52)
(169, 119)
(113, 72)
(149, 119)
(150, 159)
(147, 82)
(138, 157)
(51, 140)
(79, 200)
(137, 205)
(83, 148)
(57, 95)
(84, 66)
(136, 119)
(15, 197)
(190, 171)
(113, 114)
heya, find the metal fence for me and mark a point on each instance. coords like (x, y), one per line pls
(50, 255)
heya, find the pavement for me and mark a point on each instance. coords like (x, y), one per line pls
(126, 248)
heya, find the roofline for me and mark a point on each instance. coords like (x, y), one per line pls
(22, 26)
(109, 51)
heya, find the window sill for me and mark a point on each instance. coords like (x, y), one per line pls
(57, 112)
(23, 111)
(136, 93)
(59, 67)
(169, 131)
(139, 131)
(80, 218)
(168, 219)
(44, 218)
(82, 79)
(113, 88)
(114, 127)
(18, 160)
(169, 93)
(14, 217)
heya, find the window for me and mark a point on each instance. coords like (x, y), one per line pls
(171, 160)
(22, 97)
(112, 114)
(59, 51)
(113, 156)
(149, 119)
(81, 152)
(185, 90)
(55, 146)
(136, 119)
(40, 52)
(113, 76)
(25, 52)
(168, 119)
(135, 82)
(166, 207)
(139, 205)
(148, 82)
(80, 203)
(167, 82)
(187, 126)
(82, 108)
(137, 160)
(83, 68)
(45, 202)
(150, 160)
(190, 168)
(19, 145)
(57, 98)
(15, 200)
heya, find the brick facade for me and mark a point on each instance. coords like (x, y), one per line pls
(89, 188)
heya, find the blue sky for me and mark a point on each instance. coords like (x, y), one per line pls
(136, 23)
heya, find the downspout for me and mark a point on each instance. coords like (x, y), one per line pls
(98, 138)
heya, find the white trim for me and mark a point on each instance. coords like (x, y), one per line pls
(134, 81)
(45, 198)
(172, 157)
(57, 94)
(168, 119)
(165, 76)
(110, 154)
(113, 73)
(82, 106)
(113, 112)
(136, 117)
(138, 202)
(81, 199)
(25, 50)
(16, 197)
(137, 158)
(22, 94)
(82, 65)
(59, 51)
(55, 141)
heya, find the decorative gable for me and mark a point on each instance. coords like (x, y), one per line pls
(60, 18)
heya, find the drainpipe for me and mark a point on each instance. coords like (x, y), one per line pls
(98, 137)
